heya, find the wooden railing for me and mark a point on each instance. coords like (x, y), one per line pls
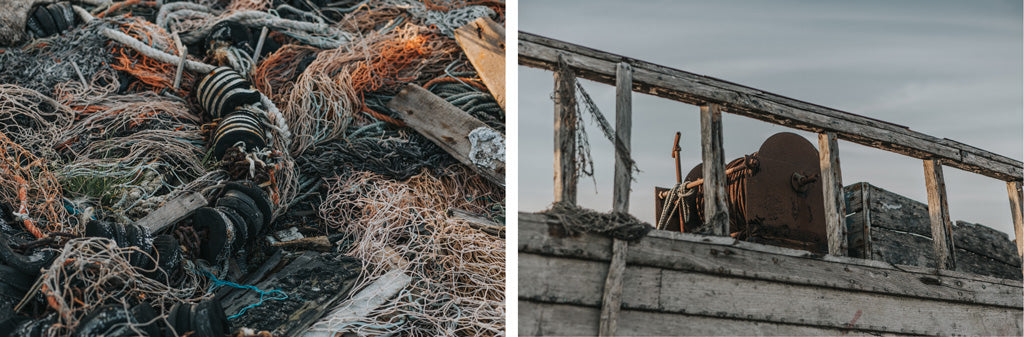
(714, 96)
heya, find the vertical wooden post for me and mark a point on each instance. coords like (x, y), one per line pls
(832, 187)
(565, 138)
(1014, 189)
(866, 210)
(611, 301)
(716, 208)
(623, 126)
(938, 210)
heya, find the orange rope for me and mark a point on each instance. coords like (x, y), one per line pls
(119, 5)
(447, 79)
(382, 117)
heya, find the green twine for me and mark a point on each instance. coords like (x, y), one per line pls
(218, 282)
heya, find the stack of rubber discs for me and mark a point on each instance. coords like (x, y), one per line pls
(164, 248)
(242, 126)
(223, 90)
(241, 215)
(225, 94)
(114, 320)
(50, 19)
(21, 326)
(203, 319)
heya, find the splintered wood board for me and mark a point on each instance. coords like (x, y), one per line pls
(172, 211)
(444, 124)
(483, 41)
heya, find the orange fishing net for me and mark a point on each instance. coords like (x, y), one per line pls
(25, 180)
(152, 74)
(275, 73)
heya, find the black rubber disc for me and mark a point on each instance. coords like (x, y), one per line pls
(213, 221)
(239, 224)
(45, 21)
(257, 194)
(245, 207)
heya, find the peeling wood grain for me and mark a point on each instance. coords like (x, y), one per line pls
(545, 279)
(726, 256)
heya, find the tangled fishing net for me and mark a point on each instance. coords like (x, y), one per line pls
(97, 129)
(95, 271)
(458, 271)
(619, 225)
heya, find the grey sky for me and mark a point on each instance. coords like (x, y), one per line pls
(951, 69)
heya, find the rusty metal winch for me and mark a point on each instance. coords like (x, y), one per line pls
(775, 196)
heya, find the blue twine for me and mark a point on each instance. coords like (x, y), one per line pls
(218, 282)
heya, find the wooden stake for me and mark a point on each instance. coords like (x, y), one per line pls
(565, 139)
(938, 210)
(611, 301)
(1014, 189)
(182, 52)
(832, 187)
(259, 47)
(716, 208)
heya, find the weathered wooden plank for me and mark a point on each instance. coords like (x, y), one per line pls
(726, 256)
(623, 131)
(172, 211)
(483, 42)
(552, 319)
(565, 138)
(716, 204)
(938, 211)
(866, 227)
(897, 213)
(360, 305)
(479, 222)
(544, 279)
(612, 299)
(447, 126)
(1014, 190)
(832, 187)
(540, 52)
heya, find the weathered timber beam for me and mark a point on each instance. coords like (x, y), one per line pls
(451, 129)
(565, 138)
(544, 279)
(483, 42)
(832, 187)
(1014, 190)
(611, 302)
(541, 52)
(716, 204)
(722, 255)
(938, 211)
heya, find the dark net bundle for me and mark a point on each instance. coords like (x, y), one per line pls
(618, 225)
(42, 64)
(394, 154)
(466, 93)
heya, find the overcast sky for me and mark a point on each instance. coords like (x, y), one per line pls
(950, 69)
